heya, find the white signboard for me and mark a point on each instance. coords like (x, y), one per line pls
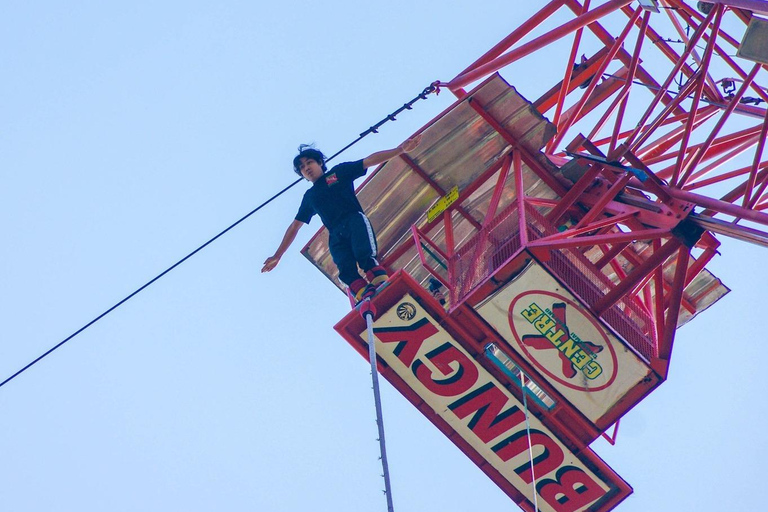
(548, 327)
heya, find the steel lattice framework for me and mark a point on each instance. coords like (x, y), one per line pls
(645, 145)
(608, 177)
(653, 145)
(662, 140)
(682, 111)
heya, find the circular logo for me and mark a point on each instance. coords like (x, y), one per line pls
(563, 340)
(406, 311)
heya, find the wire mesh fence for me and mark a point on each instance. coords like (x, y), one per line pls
(491, 247)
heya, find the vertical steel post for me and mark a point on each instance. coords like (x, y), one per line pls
(379, 416)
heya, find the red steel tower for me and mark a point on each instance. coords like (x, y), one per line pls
(552, 230)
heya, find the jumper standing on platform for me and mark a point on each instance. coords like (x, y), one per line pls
(332, 196)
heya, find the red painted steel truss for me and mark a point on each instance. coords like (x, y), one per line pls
(662, 95)
(660, 138)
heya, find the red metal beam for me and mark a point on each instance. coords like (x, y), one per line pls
(658, 303)
(691, 17)
(755, 163)
(633, 258)
(599, 207)
(499, 188)
(631, 142)
(696, 158)
(527, 157)
(660, 144)
(594, 226)
(671, 139)
(710, 87)
(578, 77)
(607, 39)
(740, 190)
(520, 192)
(673, 313)
(609, 255)
(526, 49)
(602, 92)
(660, 42)
(576, 109)
(718, 164)
(450, 243)
(718, 206)
(702, 74)
(620, 102)
(637, 275)
(573, 194)
(608, 238)
(644, 131)
(515, 36)
(566, 81)
(630, 78)
(717, 147)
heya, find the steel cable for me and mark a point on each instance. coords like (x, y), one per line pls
(432, 88)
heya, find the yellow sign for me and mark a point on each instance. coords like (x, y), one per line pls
(443, 203)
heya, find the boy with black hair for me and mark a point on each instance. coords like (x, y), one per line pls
(332, 196)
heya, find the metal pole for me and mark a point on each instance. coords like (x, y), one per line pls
(379, 417)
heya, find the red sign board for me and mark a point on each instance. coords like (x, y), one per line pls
(422, 353)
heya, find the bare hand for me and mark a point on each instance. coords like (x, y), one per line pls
(411, 144)
(270, 263)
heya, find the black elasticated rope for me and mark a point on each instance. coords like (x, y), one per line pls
(434, 87)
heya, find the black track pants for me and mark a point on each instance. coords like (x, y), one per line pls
(352, 244)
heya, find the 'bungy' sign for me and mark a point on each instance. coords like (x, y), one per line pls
(484, 413)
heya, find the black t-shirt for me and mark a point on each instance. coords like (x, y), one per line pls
(332, 196)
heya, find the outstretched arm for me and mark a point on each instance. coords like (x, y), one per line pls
(290, 235)
(382, 156)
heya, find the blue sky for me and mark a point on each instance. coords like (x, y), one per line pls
(132, 133)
